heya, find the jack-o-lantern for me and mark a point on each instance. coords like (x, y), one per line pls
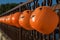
(8, 19)
(15, 19)
(44, 20)
(24, 20)
(3, 19)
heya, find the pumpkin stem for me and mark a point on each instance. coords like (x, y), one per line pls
(40, 8)
(27, 11)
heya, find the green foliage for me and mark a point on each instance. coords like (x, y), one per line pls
(6, 7)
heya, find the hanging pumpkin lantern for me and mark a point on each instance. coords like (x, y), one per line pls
(8, 19)
(15, 19)
(2, 19)
(44, 20)
(24, 20)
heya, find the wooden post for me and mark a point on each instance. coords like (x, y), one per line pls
(49, 2)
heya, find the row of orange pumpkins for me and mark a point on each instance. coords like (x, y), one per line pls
(43, 19)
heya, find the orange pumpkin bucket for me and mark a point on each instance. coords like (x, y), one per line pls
(24, 20)
(44, 20)
(8, 19)
(15, 19)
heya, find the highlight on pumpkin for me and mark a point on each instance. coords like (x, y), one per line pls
(12, 19)
(8, 19)
(2, 19)
(44, 20)
(15, 19)
(24, 20)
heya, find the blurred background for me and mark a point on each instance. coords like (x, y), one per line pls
(6, 5)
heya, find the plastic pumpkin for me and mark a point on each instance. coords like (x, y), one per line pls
(24, 20)
(15, 19)
(44, 20)
(2, 19)
(8, 19)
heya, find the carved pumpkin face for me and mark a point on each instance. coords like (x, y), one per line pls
(8, 19)
(24, 20)
(44, 20)
(15, 19)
